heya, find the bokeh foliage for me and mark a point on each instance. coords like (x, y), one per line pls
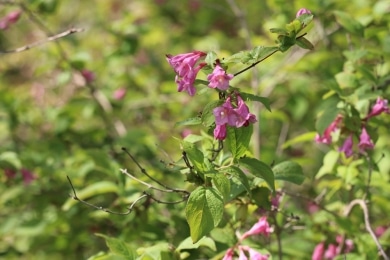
(53, 125)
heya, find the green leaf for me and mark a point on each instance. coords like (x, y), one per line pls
(259, 169)
(306, 137)
(289, 171)
(251, 97)
(119, 247)
(222, 183)
(260, 196)
(194, 155)
(238, 140)
(258, 53)
(208, 117)
(10, 160)
(327, 116)
(188, 244)
(189, 121)
(211, 58)
(193, 138)
(90, 191)
(349, 23)
(304, 43)
(241, 177)
(280, 31)
(204, 211)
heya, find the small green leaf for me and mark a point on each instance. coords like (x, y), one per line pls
(119, 247)
(349, 23)
(211, 58)
(222, 183)
(208, 117)
(280, 31)
(239, 175)
(190, 121)
(259, 169)
(306, 137)
(260, 196)
(10, 160)
(258, 53)
(328, 115)
(304, 43)
(251, 97)
(194, 155)
(238, 140)
(188, 244)
(204, 211)
(289, 171)
(90, 191)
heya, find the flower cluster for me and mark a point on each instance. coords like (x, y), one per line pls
(332, 250)
(9, 19)
(186, 67)
(234, 112)
(230, 115)
(261, 227)
(365, 142)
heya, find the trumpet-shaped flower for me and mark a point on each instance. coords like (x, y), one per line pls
(346, 148)
(381, 106)
(253, 254)
(302, 11)
(186, 69)
(219, 78)
(365, 140)
(326, 137)
(261, 227)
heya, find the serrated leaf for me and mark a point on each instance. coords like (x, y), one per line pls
(204, 211)
(238, 140)
(90, 191)
(259, 169)
(188, 244)
(239, 175)
(289, 171)
(304, 43)
(119, 247)
(190, 121)
(208, 117)
(222, 183)
(349, 23)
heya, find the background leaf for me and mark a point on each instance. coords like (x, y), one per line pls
(289, 171)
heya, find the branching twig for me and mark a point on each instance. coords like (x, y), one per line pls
(130, 209)
(168, 189)
(363, 205)
(49, 39)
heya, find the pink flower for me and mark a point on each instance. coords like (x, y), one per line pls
(219, 79)
(331, 252)
(28, 176)
(380, 106)
(318, 251)
(220, 132)
(119, 94)
(346, 148)
(9, 19)
(365, 141)
(229, 254)
(244, 117)
(380, 230)
(225, 114)
(88, 75)
(261, 227)
(186, 72)
(326, 138)
(302, 11)
(275, 200)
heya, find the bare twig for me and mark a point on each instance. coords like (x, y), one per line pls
(49, 39)
(130, 209)
(363, 205)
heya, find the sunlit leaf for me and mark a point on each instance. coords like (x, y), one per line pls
(289, 171)
(238, 140)
(119, 247)
(259, 169)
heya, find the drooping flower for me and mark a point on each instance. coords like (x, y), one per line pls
(186, 70)
(365, 140)
(302, 11)
(331, 252)
(261, 227)
(381, 106)
(219, 78)
(346, 148)
(326, 137)
(229, 254)
(89, 76)
(220, 132)
(244, 117)
(9, 19)
(318, 251)
(253, 254)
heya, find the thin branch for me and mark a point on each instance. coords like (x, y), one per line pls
(168, 189)
(130, 209)
(49, 39)
(363, 205)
